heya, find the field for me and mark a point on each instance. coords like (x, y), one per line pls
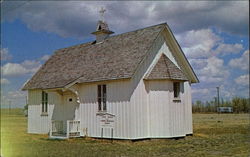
(214, 135)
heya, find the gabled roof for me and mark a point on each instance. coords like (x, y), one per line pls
(185, 65)
(117, 57)
(165, 69)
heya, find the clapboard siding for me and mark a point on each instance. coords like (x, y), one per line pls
(36, 122)
(188, 108)
(139, 111)
(166, 117)
(177, 114)
(159, 108)
(118, 95)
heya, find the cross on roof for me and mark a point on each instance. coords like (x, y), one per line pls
(102, 13)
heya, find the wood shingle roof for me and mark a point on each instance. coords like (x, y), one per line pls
(117, 57)
(166, 69)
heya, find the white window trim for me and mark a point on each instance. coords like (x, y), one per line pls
(177, 99)
(102, 97)
(44, 104)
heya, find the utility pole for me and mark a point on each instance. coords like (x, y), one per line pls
(9, 106)
(218, 96)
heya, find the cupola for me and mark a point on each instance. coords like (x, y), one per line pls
(102, 30)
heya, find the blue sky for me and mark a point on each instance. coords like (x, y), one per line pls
(213, 35)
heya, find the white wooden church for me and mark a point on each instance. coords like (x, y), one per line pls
(133, 85)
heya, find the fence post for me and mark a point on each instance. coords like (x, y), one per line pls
(50, 130)
(68, 122)
(102, 133)
(111, 135)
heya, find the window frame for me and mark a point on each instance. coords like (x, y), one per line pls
(44, 103)
(176, 90)
(102, 97)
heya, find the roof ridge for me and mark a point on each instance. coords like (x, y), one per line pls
(164, 23)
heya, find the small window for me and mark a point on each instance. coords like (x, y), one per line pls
(70, 99)
(44, 102)
(99, 28)
(102, 97)
(176, 89)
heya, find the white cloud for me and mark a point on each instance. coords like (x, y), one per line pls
(198, 63)
(13, 69)
(243, 80)
(214, 66)
(16, 94)
(214, 71)
(78, 19)
(5, 54)
(4, 81)
(31, 65)
(45, 57)
(15, 98)
(227, 49)
(199, 43)
(205, 43)
(242, 62)
(203, 91)
(16, 69)
(206, 52)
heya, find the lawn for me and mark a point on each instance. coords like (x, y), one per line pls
(214, 135)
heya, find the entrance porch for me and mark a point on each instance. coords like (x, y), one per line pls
(65, 121)
(57, 130)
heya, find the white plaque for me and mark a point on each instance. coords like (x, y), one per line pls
(107, 120)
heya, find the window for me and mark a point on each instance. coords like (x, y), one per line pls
(102, 97)
(44, 102)
(176, 89)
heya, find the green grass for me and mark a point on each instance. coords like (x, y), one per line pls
(214, 135)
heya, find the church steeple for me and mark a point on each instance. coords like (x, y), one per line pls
(102, 29)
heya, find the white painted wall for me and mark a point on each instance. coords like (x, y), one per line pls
(59, 108)
(159, 106)
(36, 122)
(166, 117)
(118, 95)
(188, 108)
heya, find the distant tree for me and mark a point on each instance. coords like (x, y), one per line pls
(244, 105)
(25, 107)
(198, 106)
(25, 110)
(236, 103)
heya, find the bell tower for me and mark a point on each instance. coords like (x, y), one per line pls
(102, 30)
